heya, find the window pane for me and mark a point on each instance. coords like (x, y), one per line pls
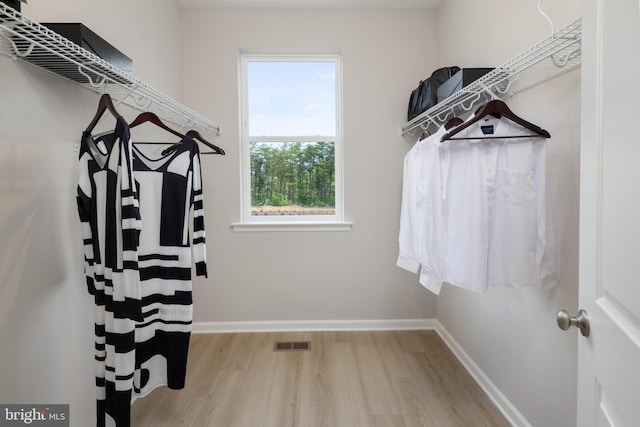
(292, 178)
(292, 98)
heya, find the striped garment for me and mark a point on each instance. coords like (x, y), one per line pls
(169, 188)
(108, 208)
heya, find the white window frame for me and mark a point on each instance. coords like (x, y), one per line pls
(250, 222)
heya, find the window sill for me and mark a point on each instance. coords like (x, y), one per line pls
(256, 226)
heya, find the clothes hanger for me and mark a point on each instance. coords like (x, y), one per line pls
(453, 122)
(425, 132)
(497, 108)
(194, 134)
(153, 118)
(104, 104)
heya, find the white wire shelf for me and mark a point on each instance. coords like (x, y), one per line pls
(24, 39)
(557, 54)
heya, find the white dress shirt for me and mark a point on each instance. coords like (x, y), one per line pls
(421, 216)
(498, 223)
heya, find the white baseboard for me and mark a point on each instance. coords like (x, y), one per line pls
(313, 326)
(505, 406)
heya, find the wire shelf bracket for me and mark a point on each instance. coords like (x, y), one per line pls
(555, 55)
(26, 40)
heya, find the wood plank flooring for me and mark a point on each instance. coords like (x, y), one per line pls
(347, 379)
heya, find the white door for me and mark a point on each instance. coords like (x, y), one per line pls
(609, 359)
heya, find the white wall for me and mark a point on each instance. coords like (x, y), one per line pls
(512, 334)
(46, 314)
(311, 276)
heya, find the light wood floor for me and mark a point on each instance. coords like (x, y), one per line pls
(350, 379)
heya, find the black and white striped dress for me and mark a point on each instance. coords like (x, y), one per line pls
(169, 188)
(108, 208)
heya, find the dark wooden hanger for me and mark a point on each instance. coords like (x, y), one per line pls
(104, 104)
(425, 134)
(497, 108)
(153, 118)
(453, 122)
(194, 134)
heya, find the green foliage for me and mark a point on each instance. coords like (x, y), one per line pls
(292, 173)
(278, 199)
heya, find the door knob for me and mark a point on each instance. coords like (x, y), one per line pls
(581, 321)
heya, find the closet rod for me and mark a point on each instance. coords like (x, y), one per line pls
(24, 39)
(555, 55)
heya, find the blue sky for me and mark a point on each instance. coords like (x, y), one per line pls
(292, 98)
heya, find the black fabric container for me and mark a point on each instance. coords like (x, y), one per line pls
(459, 80)
(12, 3)
(87, 39)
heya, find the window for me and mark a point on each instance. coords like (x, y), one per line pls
(291, 139)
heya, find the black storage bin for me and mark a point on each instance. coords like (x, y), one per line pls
(459, 80)
(15, 4)
(87, 39)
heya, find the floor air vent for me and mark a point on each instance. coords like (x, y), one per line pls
(292, 346)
